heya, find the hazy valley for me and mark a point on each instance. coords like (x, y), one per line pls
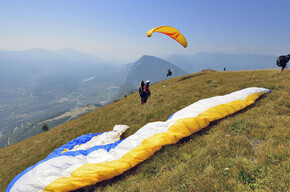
(39, 84)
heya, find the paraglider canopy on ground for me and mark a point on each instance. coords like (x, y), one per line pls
(95, 157)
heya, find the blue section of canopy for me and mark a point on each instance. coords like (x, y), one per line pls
(69, 145)
(170, 116)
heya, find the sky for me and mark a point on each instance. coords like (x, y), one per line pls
(115, 30)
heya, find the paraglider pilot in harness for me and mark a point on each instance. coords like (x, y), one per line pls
(144, 91)
(169, 73)
(282, 61)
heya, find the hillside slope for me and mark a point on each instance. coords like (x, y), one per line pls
(246, 151)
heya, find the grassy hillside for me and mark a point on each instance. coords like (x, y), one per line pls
(243, 152)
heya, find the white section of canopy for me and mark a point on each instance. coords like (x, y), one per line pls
(103, 139)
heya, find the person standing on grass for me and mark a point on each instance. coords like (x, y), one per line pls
(146, 93)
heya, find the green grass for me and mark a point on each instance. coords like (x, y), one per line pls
(247, 151)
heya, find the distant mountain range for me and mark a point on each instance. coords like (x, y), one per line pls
(21, 67)
(219, 61)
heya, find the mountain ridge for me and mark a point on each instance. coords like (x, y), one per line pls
(144, 67)
(147, 68)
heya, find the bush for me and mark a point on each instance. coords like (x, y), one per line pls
(44, 127)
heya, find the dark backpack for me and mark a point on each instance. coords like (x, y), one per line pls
(283, 60)
(141, 88)
(169, 73)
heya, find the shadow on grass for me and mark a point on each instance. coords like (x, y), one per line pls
(191, 76)
(109, 182)
(205, 130)
(133, 170)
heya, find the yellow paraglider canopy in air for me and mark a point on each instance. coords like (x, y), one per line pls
(171, 32)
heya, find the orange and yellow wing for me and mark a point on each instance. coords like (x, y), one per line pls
(171, 32)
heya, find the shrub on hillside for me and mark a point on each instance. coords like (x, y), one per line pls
(44, 127)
